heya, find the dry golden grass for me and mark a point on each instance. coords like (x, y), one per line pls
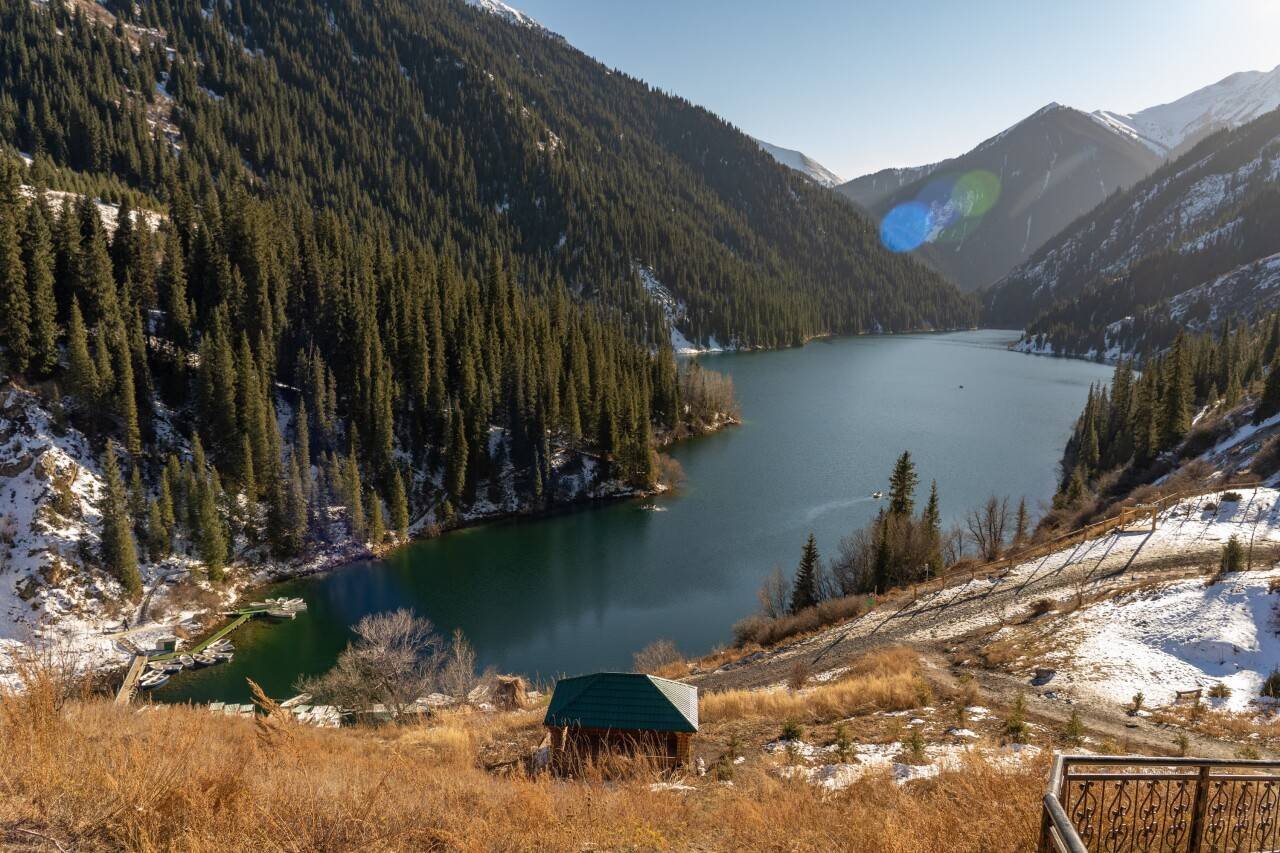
(885, 680)
(92, 776)
(1245, 728)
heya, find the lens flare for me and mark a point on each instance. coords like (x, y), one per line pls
(946, 210)
(976, 192)
(906, 226)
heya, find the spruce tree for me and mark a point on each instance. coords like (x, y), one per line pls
(377, 526)
(805, 591)
(1270, 402)
(931, 520)
(398, 505)
(82, 374)
(158, 541)
(15, 304)
(37, 260)
(902, 486)
(119, 551)
(1022, 524)
(210, 537)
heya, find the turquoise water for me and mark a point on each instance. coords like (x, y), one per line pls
(585, 589)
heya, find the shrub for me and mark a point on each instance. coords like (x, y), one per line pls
(914, 745)
(1042, 606)
(1074, 731)
(1271, 687)
(1248, 752)
(798, 675)
(842, 743)
(1138, 699)
(1232, 556)
(1220, 691)
(1232, 498)
(791, 730)
(1015, 725)
(658, 656)
(1182, 743)
(764, 631)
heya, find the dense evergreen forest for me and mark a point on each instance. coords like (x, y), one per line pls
(1147, 421)
(382, 258)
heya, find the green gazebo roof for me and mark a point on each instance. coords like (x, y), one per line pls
(624, 700)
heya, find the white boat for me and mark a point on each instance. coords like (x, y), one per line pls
(186, 660)
(205, 659)
(877, 495)
(152, 679)
(168, 667)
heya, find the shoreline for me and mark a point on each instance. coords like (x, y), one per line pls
(262, 578)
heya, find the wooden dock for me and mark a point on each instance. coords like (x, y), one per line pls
(130, 686)
(276, 608)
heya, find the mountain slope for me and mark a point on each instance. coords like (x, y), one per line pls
(1173, 128)
(870, 190)
(1190, 246)
(802, 163)
(976, 216)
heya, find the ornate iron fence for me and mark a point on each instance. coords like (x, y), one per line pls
(1143, 804)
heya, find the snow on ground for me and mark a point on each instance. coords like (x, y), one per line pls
(676, 313)
(879, 757)
(1180, 636)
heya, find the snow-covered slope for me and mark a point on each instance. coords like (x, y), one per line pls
(510, 14)
(1188, 246)
(802, 163)
(1231, 102)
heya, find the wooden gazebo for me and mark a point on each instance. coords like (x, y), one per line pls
(622, 713)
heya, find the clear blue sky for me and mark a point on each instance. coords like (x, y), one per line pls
(863, 85)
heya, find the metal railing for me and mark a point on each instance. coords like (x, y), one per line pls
(1145, 804)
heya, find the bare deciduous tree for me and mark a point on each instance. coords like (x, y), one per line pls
(395, 659)
(775, 594)
(458, 676)
(655, 656)
(988, 526)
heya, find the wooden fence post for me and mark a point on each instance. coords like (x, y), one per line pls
(1198, 808)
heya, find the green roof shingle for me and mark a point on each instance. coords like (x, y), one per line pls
(624, 700)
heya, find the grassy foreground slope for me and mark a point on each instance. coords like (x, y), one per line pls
(87, 775)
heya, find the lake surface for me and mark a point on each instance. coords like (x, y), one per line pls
(583, 590)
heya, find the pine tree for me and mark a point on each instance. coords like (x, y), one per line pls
(119, 552)
(82, 374)
(805, 591)
(931, 520)
(37, 260)
(398, 505)
(355, 496)
(1270, 402)
(1022, 524)
(211, 541)
(158, 541)
(15, 304)
(902, 486)
(173, 290)
(377, 527)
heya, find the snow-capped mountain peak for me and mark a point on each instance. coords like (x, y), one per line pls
(1231, 102)
(802, 163)
(510, 14)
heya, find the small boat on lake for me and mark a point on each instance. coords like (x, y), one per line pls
(205, 659)
(152, 679)
(168, 667)
(877, 495)
(186, 660)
